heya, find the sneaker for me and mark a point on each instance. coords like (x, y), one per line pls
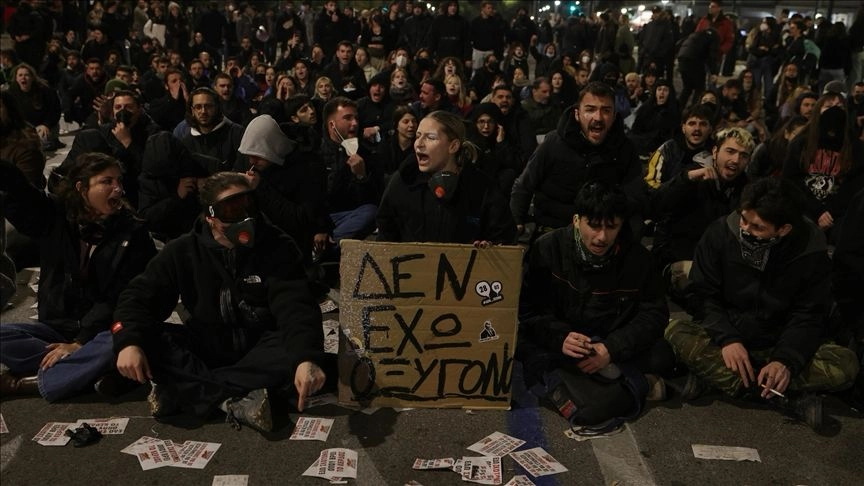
(252, 410)
(114, 384)
(694, 388)
(656, 388)
(808, 408)
(162, 400)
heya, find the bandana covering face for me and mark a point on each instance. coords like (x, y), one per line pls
(585, 256)
(755, 251)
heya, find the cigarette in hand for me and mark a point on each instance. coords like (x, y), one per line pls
(775, 392)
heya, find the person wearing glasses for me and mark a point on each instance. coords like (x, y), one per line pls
(253, 326)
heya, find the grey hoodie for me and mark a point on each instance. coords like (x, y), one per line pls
(263, 138)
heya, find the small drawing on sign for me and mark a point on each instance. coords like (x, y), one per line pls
(491, 293)
(488, 333)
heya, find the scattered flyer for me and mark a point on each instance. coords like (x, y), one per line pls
(520, 480)
(412, 483)
(54, 434)
(312, 428)
(144, 440)
(106, 426)
(724, 453)
(457, 466)
(334, 464)
(231, 480)
(496, 444)
(196, 455)
(482, 470)
(157, 454)
(3, 428)
(573, 433)
(331, 336)
(538, 462)
(445, 463)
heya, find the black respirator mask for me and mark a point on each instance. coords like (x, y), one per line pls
(237, 212)
(443, 185)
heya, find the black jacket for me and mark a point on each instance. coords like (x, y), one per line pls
(218, 148)
(409, 211)
(782, 308)
(704, 47)
(293, 195)
(344, 191)
(164, 163)
(622, 303)
(683, 209)
(564, 162)
(233, 296)
(449, 36)
(102, 140)
(77, 304)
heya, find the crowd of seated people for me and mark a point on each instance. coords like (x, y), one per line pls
(249, 141)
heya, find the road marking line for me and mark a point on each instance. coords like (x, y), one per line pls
(620, 460)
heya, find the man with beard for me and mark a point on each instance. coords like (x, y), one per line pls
(589, 144)
(169, 110)
(516, 124)
(682, 152)
(542, 115)
(762, 275)
(211, 134)
(354, 180)
(685, 205)
(84, 91)
(123, 138)
(233, 107)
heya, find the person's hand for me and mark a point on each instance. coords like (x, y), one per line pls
(774, 375)
(184, 90)
(702, 174)
(370, 132)
(132, 363)
(357, 165)
(483, 244)
(738, 360)
(713, 79)
(56, 352)
(598, 360)
(308, 379)
(254, 178)
(825, 220)
(98, 102)
(186, 186)
(42, 131)
(500, 137)
(122, 133)
(520, 228)
(576, 345)
(320, 242)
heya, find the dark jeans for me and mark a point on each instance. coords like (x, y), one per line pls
(693, 79)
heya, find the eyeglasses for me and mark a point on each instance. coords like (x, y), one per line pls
(485, 122)
(205, 106)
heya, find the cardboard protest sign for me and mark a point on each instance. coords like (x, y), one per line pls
(428, 325)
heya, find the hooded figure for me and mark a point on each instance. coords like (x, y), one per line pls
(290, 191)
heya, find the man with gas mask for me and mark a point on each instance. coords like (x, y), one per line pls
(826, 162)
(354, 179)
(253, 326)
(763, 275)
(123, 138)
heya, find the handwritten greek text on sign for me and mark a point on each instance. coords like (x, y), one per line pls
(428, 325)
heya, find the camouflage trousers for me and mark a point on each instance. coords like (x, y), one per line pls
(833, 367)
